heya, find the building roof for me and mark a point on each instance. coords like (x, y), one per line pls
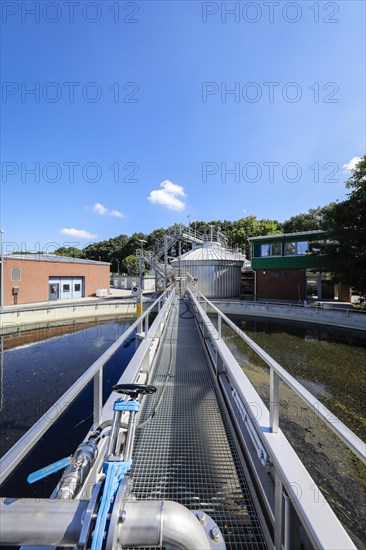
(312, 235)
(52, 258)
(210, 251)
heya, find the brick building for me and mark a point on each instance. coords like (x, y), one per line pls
(286, 268)
(40, 278)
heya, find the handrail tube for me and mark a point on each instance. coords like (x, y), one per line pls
(307, 307)
(14, 456)
(91, 303)
(350, 439)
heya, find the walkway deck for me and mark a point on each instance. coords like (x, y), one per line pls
(184, 450)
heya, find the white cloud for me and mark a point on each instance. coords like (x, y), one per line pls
(351, 165)
(167, 196)
(115, 213)
(100, 209)
(80, 233)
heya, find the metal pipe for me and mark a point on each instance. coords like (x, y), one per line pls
(127, 453)
(113, 436)
(161, 523)
(76, 474)
(41, 522)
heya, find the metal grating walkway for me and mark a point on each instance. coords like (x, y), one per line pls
(184, 450)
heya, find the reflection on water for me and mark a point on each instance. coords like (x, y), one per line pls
(37, 367)
(331, 364)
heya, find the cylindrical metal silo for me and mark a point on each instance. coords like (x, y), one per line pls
(217, 270)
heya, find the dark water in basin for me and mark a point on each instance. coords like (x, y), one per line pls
(331, 364)
(37, 373)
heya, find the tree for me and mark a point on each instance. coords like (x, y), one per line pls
(130, 265)
(133, 243)
(315, 218)
(250, 226)
(70, 251)
(347, 224)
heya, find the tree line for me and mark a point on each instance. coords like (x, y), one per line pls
(345, 221)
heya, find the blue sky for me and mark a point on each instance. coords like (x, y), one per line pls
(132, 126)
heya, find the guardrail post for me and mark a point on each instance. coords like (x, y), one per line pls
(278, 511)
(287, 524)
(274, 401)
(146, 325)
(97, 398)
(219, 325)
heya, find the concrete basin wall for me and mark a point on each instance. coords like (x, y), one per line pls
(26, 319)
(312, 314)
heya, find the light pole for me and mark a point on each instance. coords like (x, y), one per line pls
(2, 271)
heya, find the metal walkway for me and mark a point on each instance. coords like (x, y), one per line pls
(184, 450)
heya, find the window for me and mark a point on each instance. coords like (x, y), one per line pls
(302, 247)
(265, 250)
(77, 287)
(65, 288)
(276, 249)
(299, 248)
(15, 274)
(290, 249)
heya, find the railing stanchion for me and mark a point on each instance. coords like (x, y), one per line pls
(97, 398)
(219, 325)
(278, 511)
(274, 401)
(146, 325)
(287, 524)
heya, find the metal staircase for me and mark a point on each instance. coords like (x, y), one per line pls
(157, 258)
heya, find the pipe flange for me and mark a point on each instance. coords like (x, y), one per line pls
(118, 514)
(90, 517)
(213, 533)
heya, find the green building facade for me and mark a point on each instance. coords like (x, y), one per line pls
(287, 267)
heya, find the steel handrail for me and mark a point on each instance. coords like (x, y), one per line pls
(51, 305)
(14, 456)
(350, 439)
(309, 307)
